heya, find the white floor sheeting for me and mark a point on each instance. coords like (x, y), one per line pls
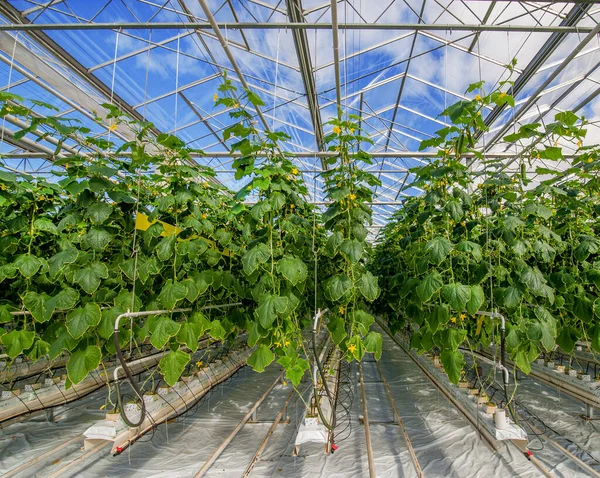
(445, 444)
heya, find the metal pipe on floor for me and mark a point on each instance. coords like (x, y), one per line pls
(363, 395)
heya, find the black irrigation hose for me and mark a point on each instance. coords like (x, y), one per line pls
(133, 386)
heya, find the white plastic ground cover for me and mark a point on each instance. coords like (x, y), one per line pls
(445, 444)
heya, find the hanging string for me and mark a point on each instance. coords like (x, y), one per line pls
(10, 72)
(112, 82)
(176, 86)
(276, 77)
(445, 70)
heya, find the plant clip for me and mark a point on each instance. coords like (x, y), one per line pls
(528, 454)
(119, 449)
(334, 446)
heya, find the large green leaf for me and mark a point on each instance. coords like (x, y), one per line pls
(171, 294)
(292, 269)
(511, 296)
(438, 316)
(476, 300)
(188, 334)
(63, 341)
(173, 364)
(457, 295)
(82, 318)
(471, 248)
(567, 338)
(89, 277)
(58, 261)
(259, 254)
(45, 225)
(438, 248)
(269, 306)
(430, 284)
(99, 212)
(337, 286)
(373, 343)
(28, 265)
(352, 250)
(16, 341)
(98, 238)
(534, 280)
(368, 286)
(261, 358)
(362, 321)
(162, 329)
(166, 247)
(83, 362)
(453, 362)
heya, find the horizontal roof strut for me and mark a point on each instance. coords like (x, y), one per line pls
(289, 25)
(308, 154)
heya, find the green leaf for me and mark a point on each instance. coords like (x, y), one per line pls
(259, 254)
(99, 212)
(337, 328)
(337, 287)
(476, 300)
(439, 316)
(82, 318)
(333, 243)
(471, 248)
(583, 309)
(362, 321)
(453, 362)
(374, 344)
(188, 334)
(356, 348)
(512, 296)
(58, 261)
(595, 338)
(454, 208)
(261, 358)
(292, 269)
(269, 306)
(538, 210)
(295, 373)
(98, 239)
(63, 341)
(173, 364)
(217, 331)
(438, 248)
(162, 329)
(171, 294)
(36, 304)
(28, 265)
(352, 250)
(46, 225)
(430, 284)
(534, 280)
(16, 341)
(82, 362)
(522, 361)
(166, 247)
(567, 338)
(457, 295)
(89, 277)
(368, 286)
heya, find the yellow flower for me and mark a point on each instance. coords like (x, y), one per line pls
(113, 127)
(216, 97)
(284, 383)
(351, 130)
(204, 216)
(463, 316)
(292, 206)
(278, 344)
(477, 97)
(337, 130)
(287, 342)
(295, 171)
(589, 160)
(453, 320)
(351, 348)
(199, 363)
(341, 309)
(579, 143)
(352, 197)
(502, 95)
(236, 105)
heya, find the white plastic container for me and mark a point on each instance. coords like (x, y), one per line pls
(500, 419)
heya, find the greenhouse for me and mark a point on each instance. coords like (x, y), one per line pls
(299, 238)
